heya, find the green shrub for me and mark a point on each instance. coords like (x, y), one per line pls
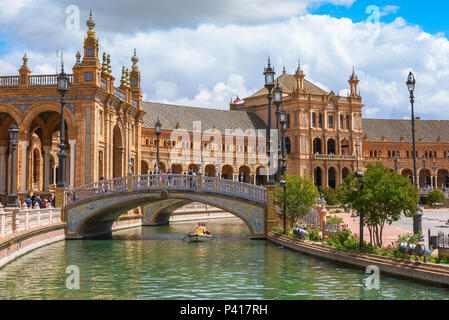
(334, 220)
(410, 238)
(331, 196)
(435, 196)
(314, 234)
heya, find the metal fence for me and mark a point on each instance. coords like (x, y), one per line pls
(312, 219)
(441, 241)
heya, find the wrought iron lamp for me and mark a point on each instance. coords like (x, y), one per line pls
(269, 84)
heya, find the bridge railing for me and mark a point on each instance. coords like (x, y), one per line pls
(95, 189)
(178, 182)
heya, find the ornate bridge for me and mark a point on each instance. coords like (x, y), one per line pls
(91, 209)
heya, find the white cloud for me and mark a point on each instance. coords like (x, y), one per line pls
(208, 64)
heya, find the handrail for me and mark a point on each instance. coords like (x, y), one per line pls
(177, 182)
(46, 80)
(9, 81)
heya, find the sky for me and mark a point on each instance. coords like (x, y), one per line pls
(204, 53)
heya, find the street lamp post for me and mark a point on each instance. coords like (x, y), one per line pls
(284, 186)
(282, 120)
(269, 84)
(63, 87)
(395, 158)
(424, 159)
(157, 130)
(277, 102)
(417, 221)
(357, 145)
(359, 175)
(13, 133)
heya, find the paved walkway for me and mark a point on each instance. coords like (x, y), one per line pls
(390, 233)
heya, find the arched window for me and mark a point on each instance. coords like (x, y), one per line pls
(288, 147)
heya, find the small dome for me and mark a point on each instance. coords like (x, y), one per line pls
(90, 23)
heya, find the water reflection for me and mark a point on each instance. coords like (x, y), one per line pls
(152, 263)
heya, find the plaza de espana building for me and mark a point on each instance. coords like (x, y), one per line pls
(111, 130)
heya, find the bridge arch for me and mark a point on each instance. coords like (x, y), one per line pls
(93, 208)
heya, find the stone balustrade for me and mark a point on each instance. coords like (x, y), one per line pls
(174, 182)
(20, 220)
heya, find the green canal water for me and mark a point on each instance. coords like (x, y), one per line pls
(152, 263)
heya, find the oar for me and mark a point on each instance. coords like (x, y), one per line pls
(185, 237)
(214, 237)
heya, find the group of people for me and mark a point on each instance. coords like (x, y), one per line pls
(43, 203)
(30, 202)
(201, 230)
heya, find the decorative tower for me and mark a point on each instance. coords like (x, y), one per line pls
(89, 70)
(353, 83)
(299, 76)
(24, 72)
(135, 79)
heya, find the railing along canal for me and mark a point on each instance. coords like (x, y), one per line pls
(12, 222)
(175, 182)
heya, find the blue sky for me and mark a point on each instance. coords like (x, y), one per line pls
(430, 15)
(203, 53)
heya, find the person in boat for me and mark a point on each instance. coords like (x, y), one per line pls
(198, 229)
(204, 230)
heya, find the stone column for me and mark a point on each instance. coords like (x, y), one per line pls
(3, 169)
(54, 174)
(23, 165)
(72, 143)
(46, 149)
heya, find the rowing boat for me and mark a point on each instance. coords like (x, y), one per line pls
(199, 238)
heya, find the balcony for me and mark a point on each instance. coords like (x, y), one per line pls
(334, 157)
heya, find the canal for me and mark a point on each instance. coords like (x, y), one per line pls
(153, 263)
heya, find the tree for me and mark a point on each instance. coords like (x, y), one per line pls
(331, 196)
(300, 196)
(435, 196)
(385, 196)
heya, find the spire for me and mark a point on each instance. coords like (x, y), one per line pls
(353, 83)
(109, 64)
(128, 82)
(104, 66)
(123, 80)
(353, 76)
(298, 69)
(25, 60)
(90, 24)
(134, 60)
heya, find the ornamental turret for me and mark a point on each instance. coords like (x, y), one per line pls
(353, 84)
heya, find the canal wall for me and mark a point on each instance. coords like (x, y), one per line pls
(20, 243)
(127, 222)
(438, 274)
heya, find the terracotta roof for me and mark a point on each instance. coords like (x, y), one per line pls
(288, 84)
(172, 115)
(393, 130)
